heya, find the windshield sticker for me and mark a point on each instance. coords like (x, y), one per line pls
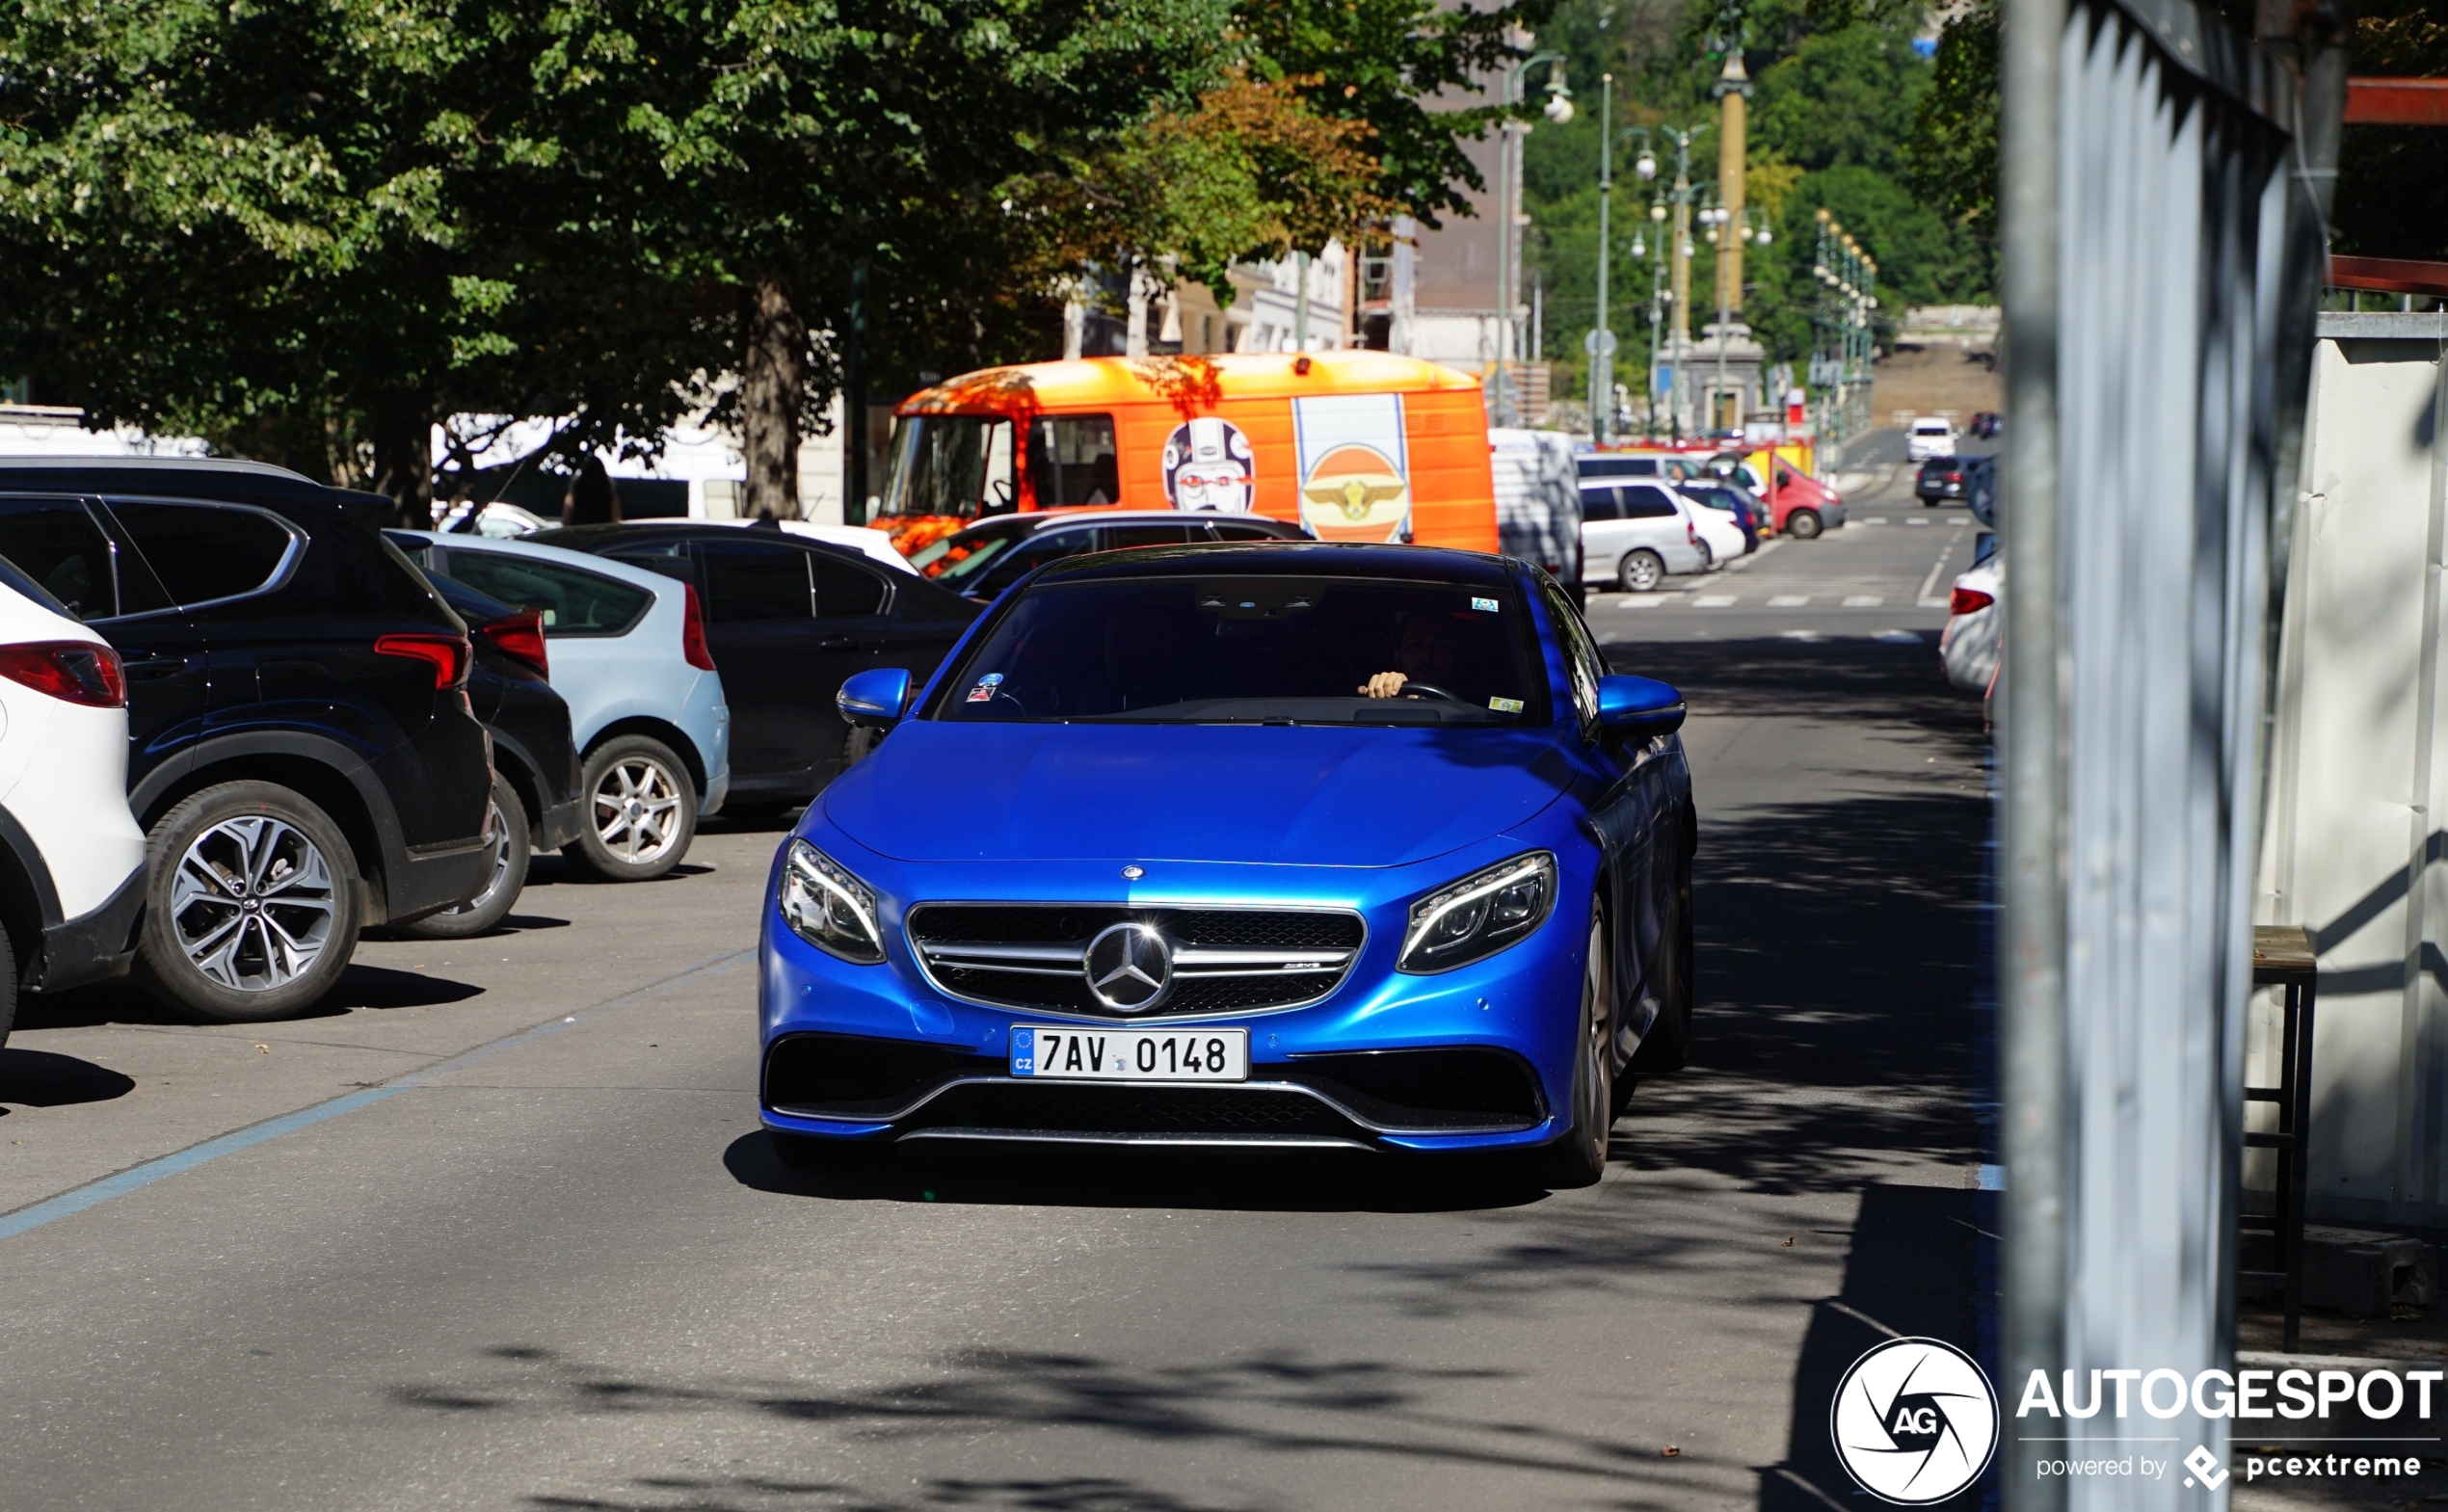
(984, 692)
(1506, 706)
(1485, 605)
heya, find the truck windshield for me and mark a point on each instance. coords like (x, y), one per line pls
(1256, 650)
(958, 466)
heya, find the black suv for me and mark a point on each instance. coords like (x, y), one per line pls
(788, 619)
(301, 753)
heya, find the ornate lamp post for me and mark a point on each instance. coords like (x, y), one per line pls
(1846, 274)
(1508, 192)
(1601, 342)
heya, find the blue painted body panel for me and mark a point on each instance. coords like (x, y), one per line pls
(1365, 818)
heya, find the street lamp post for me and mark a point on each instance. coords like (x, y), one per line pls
(1602, 346)
(1847, 277)
(1559, 109)
(1681, 252)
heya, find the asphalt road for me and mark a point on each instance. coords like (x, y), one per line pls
(498, 1230)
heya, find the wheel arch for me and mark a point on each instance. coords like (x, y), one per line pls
(662, 729)
(29, 902)
(324, 772)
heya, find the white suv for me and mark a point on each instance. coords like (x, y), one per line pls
(1931, 436)
(71, 856)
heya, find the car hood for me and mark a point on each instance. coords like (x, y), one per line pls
(1300, 795)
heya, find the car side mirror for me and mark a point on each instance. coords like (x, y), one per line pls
(874, 698)
(1638, 708)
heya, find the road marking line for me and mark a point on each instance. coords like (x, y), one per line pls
(1916, 522)
(76, 1200)
(1789, 601)
(1713, 602)
(1875, 519)
(1864, 601)
(1930, 584)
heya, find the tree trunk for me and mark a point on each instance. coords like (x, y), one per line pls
(402, 422)
(772, 389)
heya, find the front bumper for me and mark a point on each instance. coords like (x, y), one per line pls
(1474, 1058)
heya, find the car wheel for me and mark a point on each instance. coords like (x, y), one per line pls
(1708, 558)
(856, 745)
(8, 990)
(249, 905)
(1580, 1158)
(1668, 1044)
(1803, 524)
(641, 810)
(1641, 572)
(506, 830)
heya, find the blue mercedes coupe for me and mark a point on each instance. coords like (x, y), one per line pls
(1283, 843)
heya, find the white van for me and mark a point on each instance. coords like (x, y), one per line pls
(1537, 500)
(1931, 436)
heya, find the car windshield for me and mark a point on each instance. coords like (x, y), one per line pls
(957, 557)
(951, 464)
(1260, 651)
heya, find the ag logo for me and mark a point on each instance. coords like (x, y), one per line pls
(1915, 1422)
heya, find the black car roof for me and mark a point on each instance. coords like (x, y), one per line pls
(1284, 559)
(219, 478)
(585, 538)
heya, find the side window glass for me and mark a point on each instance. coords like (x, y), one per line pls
(1236, 530)
(1647, 501)
(204, 551)
(1044, 549)
(1599, 503)
(1119, 537)
(1072, 460)
(749, 584)
(572, 603)
(1582, 663)
(56, 542)
(843, 591)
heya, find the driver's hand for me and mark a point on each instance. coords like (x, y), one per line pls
(1384, 686)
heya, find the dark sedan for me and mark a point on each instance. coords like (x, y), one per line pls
(789, 619)
(988, 557)
(1941, 478)
(535, 802)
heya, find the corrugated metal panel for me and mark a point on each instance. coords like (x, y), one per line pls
(2169, 400)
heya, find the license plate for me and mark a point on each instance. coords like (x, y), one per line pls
(1130, 1054)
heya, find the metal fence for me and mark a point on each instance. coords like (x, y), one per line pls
(2158, 294)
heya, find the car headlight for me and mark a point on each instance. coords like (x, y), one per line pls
(827, 907)
(1480, 915)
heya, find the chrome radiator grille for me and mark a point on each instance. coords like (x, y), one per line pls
(1219, 960)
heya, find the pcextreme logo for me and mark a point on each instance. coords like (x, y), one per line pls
(1915, 1422)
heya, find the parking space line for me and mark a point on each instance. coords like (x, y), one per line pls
(1864, 601)
(1789, 601)
(1930, 584)
(94, 1194)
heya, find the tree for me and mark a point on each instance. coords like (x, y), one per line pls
(302, 226)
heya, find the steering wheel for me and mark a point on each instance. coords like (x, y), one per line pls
(1429, 690)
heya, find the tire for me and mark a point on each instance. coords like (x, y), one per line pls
(1803, 524)
(858, 745)
(506, 822)
(250, 910)
(8, 990)
(1641, 572)
(1708, 557)
(1579, 1158)
(1668, 1044)
(641, 810)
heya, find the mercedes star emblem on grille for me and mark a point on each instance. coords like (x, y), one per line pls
(1128, 967)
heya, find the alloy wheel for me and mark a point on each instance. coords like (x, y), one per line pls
(252, 904)
(637, 810)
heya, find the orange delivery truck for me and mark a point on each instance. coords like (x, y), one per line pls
(1351, 445)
